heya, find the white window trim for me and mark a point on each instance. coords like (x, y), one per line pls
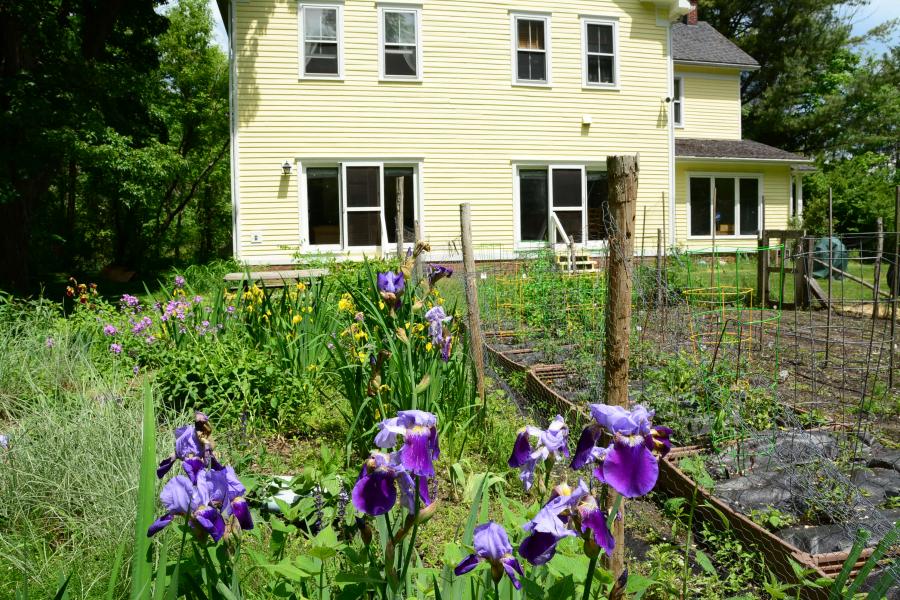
(737, 205)
(340, 165)
(679, 99)
(514, 48)
(410, 8)
(550, 166)
(337, 5)
(612, 21)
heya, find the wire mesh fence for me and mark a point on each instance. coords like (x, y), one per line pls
(785, 406)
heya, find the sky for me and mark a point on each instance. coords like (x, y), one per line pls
(863, 19)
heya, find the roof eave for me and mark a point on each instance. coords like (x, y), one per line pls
(703, 63)
(774, 161)
(675, 8)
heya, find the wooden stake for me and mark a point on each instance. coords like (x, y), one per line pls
(895, 287)
(830, 262)
(470, 276)
(878, 255)
(623, 183)
(399, 224)
(659, 279)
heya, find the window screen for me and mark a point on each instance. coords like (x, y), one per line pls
(600, 58)
(400, 44)
(749, 206)
(533, 205)
(320, 41)
(701, 205)
(323, 206)
(531, 54)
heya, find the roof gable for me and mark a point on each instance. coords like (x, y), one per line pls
(702, 44)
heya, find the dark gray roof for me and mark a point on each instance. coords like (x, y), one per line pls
(701, 43)
(747, 149)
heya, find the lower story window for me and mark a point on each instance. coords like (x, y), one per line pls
(562, 199)
(730, 204)
(355, 205)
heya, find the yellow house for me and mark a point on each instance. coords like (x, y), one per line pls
(339, 106)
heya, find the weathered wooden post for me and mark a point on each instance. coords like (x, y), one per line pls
(830, 264)
(895, 287)
(399, 224)
(623, 185)
(659, 259)
(878, 255)
(470, 278)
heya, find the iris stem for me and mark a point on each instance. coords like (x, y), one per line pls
(589, 579)
(412, 539)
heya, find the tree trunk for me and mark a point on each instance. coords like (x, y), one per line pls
(14, 268)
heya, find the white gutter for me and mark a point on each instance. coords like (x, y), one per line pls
(703, 63)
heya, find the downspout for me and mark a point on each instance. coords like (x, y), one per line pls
(230, 23)
(671, 212)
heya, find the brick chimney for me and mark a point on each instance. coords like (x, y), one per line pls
(692, 16)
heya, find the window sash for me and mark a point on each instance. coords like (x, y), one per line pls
(677, 102)
(403, 43)
(531, 57)
(703, 220)
(315, 62)
(595, 58)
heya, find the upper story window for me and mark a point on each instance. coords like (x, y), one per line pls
(531, 49)
(678, 102)
(401, 51)
(321, 40)
(600, 53)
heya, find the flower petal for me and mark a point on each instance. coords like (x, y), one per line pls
(160, 524)
(388, 430)
(594, 519)
(192, 466)
(176, 495)
(512, 568)
(586, 442)
(374, 493)
(631, 470)
(186, 442)
(241, 511)
(417, 452)
(490, 541)
(211, 521)
(538, 548)
(165, 466)
(521, 451)
(467, 564)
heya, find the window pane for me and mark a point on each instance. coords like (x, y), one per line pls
(600, 38)
(571, 222)
(676, 107)
(677, 89)
(531, 34)
(749, 206)
(320, 23)
(701, 202)
(362, 187)
(725, 196)
(532, 66)
(324, 206)
(567, 187)
(321, 58)
(400, 61)
(391, 177)
(600, 69)
(533, 205)
(400, 27)
(364, 228)
(597, 205)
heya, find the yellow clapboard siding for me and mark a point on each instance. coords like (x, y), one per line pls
(711, 107)
(465, 120)
(776, 193)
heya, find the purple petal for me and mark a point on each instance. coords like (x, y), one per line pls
(521, 451)
(176, 495)
(374, 493)
(234, 485)
(539, 547)
(658, 440)
(165, 466)
(417, 452)
(241, 511)
(467, 564)
(160, 524)
(630, 469)
(192, 466)
(491, 542)
(211, 521)
(586, 443)
(411, 418)
(526, 473)
(407, 491)
(512, 568)
(186, 442)
(594, 519)
(388, 430)
(556, 436)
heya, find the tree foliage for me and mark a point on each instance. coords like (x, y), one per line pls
(115, 138)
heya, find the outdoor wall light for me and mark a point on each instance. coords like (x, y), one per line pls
(286, 167)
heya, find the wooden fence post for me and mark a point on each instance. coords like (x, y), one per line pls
(659, 259)
(398, 226)
(623, 182)
(895, 287)
(878, 255)
(470, 277)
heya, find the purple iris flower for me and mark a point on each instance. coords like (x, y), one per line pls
(110, 330)
(182, 497)
(179, 281)
(420, 441)
(630, 464)
(546, 530)
(193, 447)
(592, 518)
(233, 502)
(438, 272)
(492, 545)
(390, 286)
(375, 491)
(552, 441)
(130, 301)
(115, 348)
